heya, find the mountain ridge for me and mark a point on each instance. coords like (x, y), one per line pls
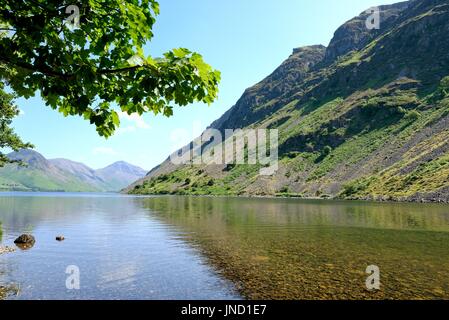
(364, 118)
(41, 174)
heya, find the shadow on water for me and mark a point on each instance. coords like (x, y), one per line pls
(296, 249)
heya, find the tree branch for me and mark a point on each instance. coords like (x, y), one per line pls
(39, 68)
(108, 71)
(66, 76)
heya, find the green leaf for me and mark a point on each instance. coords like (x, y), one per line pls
(77, 70)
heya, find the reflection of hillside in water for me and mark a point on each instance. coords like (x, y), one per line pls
(121, 251)
(293, 249)
(284, 212)
(269, 248)
(25, 213)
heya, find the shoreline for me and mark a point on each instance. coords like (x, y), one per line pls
(379, 199)
(6, 249)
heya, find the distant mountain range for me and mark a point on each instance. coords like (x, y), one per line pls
(41, 174)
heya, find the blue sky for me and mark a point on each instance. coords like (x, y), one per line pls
(245, 39)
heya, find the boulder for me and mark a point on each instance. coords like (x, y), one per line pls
(27, 239)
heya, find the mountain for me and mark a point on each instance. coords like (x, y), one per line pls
(365, 118)
(80, 170)
(120, 174)
(41, 174)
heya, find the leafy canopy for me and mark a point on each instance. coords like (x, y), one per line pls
(8, 139)
(91, 69)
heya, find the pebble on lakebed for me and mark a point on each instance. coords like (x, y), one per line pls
(6, 250)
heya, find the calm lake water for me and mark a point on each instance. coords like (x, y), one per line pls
(221, 248)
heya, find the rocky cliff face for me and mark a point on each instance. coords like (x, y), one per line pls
(354, 35)
(365, 118)
(255, 102)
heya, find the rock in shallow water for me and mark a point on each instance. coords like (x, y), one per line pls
(25, 239)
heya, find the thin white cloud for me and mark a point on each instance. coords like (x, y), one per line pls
(126, 129)
(104, 151)
(135, 119)
(21, 112)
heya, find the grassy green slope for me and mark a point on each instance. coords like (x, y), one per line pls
(373, 124)
(331, 155)
(33, 180)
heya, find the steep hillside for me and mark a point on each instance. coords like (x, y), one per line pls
(80, 170)
(365, 118)
(36, 173)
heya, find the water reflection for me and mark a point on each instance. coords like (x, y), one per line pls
(189, 247)
(121, 252)
(24, 246)
(291, 249)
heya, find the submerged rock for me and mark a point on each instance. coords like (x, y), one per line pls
(8, 291)
(26, 239)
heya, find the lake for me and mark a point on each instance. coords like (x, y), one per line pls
(174, 247)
